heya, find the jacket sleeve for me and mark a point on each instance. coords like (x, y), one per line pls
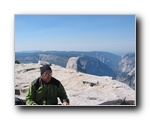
(62, 94)
(31, 95)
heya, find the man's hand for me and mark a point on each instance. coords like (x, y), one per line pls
(65, 103)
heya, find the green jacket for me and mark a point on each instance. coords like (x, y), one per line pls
(41, 93)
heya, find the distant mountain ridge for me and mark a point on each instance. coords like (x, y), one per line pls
(54, 57)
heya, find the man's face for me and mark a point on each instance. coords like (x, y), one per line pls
(47, 75)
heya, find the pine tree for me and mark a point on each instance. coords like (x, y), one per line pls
(17, 62)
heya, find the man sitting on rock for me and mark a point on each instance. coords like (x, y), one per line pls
(45, 90)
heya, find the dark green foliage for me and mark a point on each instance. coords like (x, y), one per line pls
(17, 62)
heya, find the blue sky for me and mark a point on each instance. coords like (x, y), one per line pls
(111, 33)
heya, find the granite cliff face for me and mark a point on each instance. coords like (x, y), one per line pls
(126, 70)
(90, 65)
(127, 63)
(82, 89)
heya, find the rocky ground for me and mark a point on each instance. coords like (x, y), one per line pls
(82, 89)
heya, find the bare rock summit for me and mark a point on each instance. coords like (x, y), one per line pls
(82, 89)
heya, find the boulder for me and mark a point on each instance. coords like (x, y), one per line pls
(43, 63)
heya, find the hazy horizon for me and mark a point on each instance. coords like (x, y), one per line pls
(36, 51)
